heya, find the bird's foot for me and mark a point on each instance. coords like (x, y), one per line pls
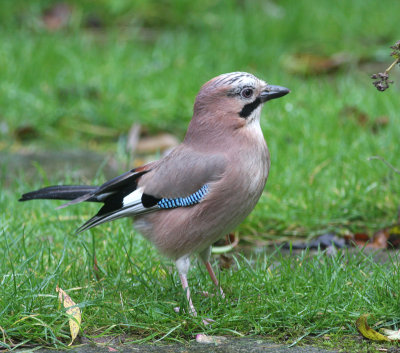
(192, 311)
(206, 294)
(209, 295)
(206, 321)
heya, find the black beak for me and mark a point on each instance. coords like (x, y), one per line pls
(272, 92)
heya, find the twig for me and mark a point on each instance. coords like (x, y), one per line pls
(397, 171)
(383, 77)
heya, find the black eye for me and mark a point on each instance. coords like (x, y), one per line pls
(246, 93)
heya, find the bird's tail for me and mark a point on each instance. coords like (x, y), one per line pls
(61, 192)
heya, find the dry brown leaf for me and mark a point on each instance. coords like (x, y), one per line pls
(379, 123)
(57, 16)
(26, 132)
(314, 64)
(72, 310)
(379, 240)
(384, 238)
(360, 239)
(362, 119)
(157, 143)
(354, 113)
(133, 138)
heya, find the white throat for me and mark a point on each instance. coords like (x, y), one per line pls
(255, 115)
(253, 124)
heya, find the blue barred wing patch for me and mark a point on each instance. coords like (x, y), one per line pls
(184, 201)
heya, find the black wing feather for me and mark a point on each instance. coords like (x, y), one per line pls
(128, 179)
(61, 192)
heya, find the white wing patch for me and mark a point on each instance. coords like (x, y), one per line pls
(133, 198)
(131, 206)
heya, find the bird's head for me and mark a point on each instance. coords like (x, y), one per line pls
(234, 99)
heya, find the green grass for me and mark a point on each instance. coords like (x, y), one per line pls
(63, 83)
(135, 291)
(146, 65)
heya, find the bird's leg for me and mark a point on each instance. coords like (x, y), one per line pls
(205, 256)
(183, 264)
(214, 278)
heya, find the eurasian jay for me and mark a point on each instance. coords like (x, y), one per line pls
(204, 188)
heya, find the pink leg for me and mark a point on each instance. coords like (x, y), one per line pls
(183, 265)
(214, 277)
(186, 288)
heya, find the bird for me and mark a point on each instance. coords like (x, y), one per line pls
(203, 189)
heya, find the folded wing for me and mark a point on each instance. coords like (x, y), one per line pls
(181, 179)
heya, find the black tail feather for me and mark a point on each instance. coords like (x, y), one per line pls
(111, 193)
(61, 192)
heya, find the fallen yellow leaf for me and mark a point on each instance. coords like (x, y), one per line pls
(367, 331)
(72, 310)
